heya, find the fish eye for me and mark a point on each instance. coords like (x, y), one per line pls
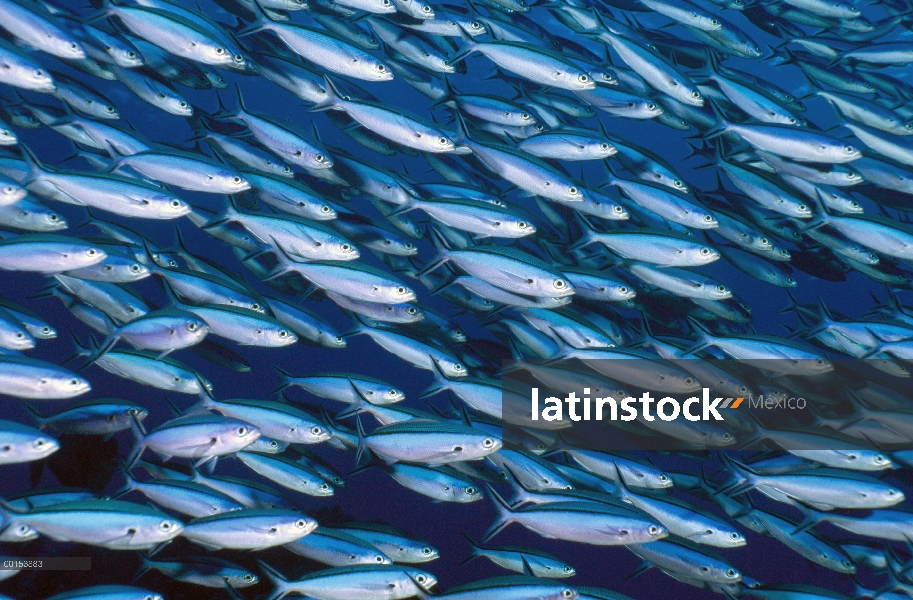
(442, 140)
(653, 530)
(567, 594)
(558, 283)
(316, 430)
(283, 333)
(426, 551)
(346, 247)
(382, 68)
(236, 180)
(849, 149)
(678, 184)
(470, 491)
(708, 218)
(175, 203)
(459, 367)
(730, 573)
(426, 9)
(488, 443)
(695, 95)
(39, 73)
(191, 326)
(248, 577)
(583, 79)
(721, 288)
(705, 251)
(400, 290)
(182, 104)
(220, 51)
(420, 578)
(241, 431)
(522, 225)
(165, 526)
(411, 310)
(300, 524)
(603, 146)
(74, 382)
(705, 569)
(378, 559)
(573, 191)
(714, 22)
(320, 158)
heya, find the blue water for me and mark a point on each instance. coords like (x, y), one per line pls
(372, 495)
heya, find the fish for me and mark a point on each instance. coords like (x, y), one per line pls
(500, 200)
(249, 528)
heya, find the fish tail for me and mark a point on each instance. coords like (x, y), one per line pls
(279, 582)
(461, 129)
(36, 169)
(433, 265)
(812, 518)
(721, 123)
(261, 21)
(740, 470)
(504, 517)
(221, 113)
(359, 406)
(476, 549)
(40, 419)
(362, 450)
(81, 350)
(240, 98)
(441, 382)
(332, 98)
(100, 352)
(463, 52)
(443, 285)
(704, 337)
(127, 488)
(137, 451)
(286, 379)
(145, 566)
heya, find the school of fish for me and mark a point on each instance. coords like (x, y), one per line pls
(462, 182)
